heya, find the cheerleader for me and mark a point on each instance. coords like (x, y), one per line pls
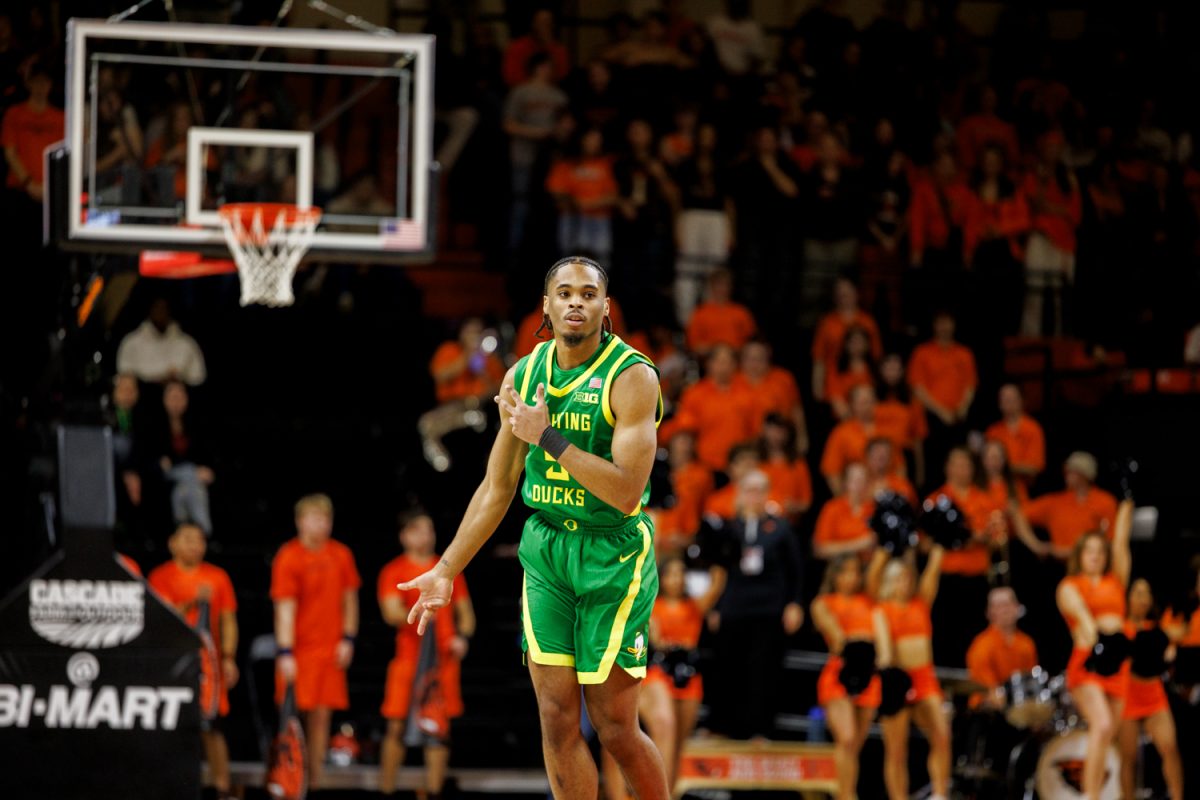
(849, 689)
(1092, 600)
(1146, 706)
(911, 693)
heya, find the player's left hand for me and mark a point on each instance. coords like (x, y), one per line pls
(528, 422)
(435, 591)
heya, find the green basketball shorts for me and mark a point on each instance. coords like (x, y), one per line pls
(587, 596)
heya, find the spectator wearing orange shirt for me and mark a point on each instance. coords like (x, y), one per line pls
(997, 219)
(744, 459)
(847, 442)
(1078, 509)
(28, 129)
(452, 631)
(843, 526)
(880, 461)
(935, 219)
(831, 332)
(540, 39)
(899, 415)
(585, 192)
(855, 367)
(466, 372)
(719, 411)
(184, 582)
(1057, 209)
(1001, 649)
(1023, 438)
(719, 320)
(691, 484)
(314, 585)
(774, 388)
(942, 375)
(985, 129)
(965, 570)
(785, 467)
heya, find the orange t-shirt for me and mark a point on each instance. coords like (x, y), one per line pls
(712, 324)
(831, 330)
(316, 580)
(1191, 636)
(847, 444)
(839, 522)
(466, 383)
(678, 622)
(400, 569)
(30, 132)
(693, 483)
(723, 502)
(992, 658)
(790, 481)
(585, 180)
(903, 423)
(776, 393)
(997, 494)
(1104, 597)
(974, 558)
(901, 485)
(1025, 443)
(852, 612)
(839, 384)
(945, 373)
(129, 564)
(720, 418)
(179, 586)
(1066, 518)
(908, 620)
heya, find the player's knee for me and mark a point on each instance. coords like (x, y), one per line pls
(560, 721)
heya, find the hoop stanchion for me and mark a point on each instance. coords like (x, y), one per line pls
(267, 241)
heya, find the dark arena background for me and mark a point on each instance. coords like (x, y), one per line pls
(929, 272)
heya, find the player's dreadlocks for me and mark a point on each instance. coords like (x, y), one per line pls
(554, 268)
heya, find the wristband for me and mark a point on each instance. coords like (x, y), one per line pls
(283, 651)
(553, 442)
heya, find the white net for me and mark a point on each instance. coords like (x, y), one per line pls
(267, 258)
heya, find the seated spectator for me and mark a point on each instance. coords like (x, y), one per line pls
(762, 605)
(855, 367)
(843, 526)
(784, 465)
(719, 320)
(985, 129)
(704, 225)
(719, 411)
(158, 350)
(466, 374)
(540, 40)
(122, 418)
(1023, 439)
(847, 442)
(1001, 650)
(1078, 509)
(899, 415)
(1057, 209)
(880, 461)
(942, 375)
(119, 150)
(28, 129)
(828, 340)
(774, 388)
(691, 484)
(744, 459)
(585, 192)
(180, 451)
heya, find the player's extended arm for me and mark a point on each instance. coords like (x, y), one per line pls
(619, 482)
(485, 511)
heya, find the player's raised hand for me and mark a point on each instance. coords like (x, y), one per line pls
(528, 422)
(435, 591)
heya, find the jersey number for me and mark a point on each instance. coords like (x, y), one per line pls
(554, 472)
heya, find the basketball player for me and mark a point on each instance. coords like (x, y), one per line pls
(578, 414)
(183, 582)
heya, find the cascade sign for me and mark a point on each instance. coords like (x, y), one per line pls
(98, 686)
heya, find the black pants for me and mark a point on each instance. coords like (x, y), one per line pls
(749, 661)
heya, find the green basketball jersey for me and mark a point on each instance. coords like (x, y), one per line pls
(578, 402)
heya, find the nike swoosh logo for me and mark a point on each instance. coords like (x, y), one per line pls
(623, 559)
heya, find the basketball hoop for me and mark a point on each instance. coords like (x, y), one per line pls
(267, 241)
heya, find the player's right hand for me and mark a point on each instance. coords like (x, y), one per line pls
(435, 591)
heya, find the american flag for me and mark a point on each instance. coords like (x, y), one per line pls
(401, 234)
(596, 383)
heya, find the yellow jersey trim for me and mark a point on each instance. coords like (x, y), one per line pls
(535, 652)
(575, 384)
(622, 617)
(530, 366)
(637, 673)
(605, 395)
